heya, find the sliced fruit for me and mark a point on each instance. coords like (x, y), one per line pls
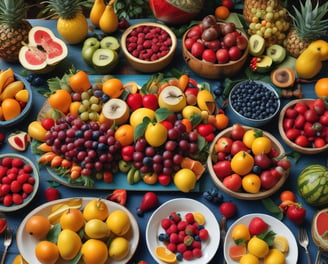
(165, 255)
(172, 98)
(205, 101)
(256, 45)
(131, 87)
(263, 64)
(199, 218)
(281, 243)
(117, 110)
(74, 203)
(237, 251)
(110, 42)
(19, 140)
(283, 77)
(319, 229)
(196, 166)
(104, 60)
(276, 52)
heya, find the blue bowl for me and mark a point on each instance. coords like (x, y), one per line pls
(238, 117)
(25, 110)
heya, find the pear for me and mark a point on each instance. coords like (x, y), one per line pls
(108, 21)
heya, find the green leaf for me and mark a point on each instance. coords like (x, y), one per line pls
(268, 237)
(240, 242)
(205, 86)
(76, 259)
(140, 129)
(294, 155)
(273, 208)
(196, 119)
(34, 147)
(162, 113)
(53, 234)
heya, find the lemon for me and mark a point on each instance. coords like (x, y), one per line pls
(138, 115)
(258, 247)
(240, 231)
(95, 228)
(274, 257)
(119, 248)
(281, 243)
(69, 244)
(118, 222)
(249, 259)
(185, 180)
(199, 218)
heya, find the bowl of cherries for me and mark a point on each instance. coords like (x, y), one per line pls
(148, 46)
(303, 125)
(215, 49)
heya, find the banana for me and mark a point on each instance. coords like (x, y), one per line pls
(6, 77)
(137, 176)
(124, 166)
(75, 202)
(130, 175)
(11, 90)
(58, 209)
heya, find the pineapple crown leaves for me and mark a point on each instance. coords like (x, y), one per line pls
(66, 9)
(309, 21)
(12, 12)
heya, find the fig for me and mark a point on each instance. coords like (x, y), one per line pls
(283, 77)
(208, 21)
(228, 28)
(210, 33)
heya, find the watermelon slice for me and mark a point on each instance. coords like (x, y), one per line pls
(320, 229)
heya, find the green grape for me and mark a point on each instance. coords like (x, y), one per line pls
(85, 96)
(82, 108)
(252, 26)
(95, 107)
(84, 116)
(258, 26)
(86, 103)
(269, 9)
(93, 100)
(267, 32)
(93, 116)
(269, 17)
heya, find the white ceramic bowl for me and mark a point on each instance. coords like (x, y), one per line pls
(25, 110)
(34, 174)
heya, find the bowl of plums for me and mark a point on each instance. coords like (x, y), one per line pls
(214, 49)
(148, 46)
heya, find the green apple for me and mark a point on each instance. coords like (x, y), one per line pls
(110, 43)
(104, 60)
(91, 42)
(87, 53)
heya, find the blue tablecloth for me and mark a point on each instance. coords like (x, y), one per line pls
(134, 197)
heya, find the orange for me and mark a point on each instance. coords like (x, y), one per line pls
(237, 251)
(287, 196)
(165, 255)
(249, 259)
(251, 183)
(125, 134)
(94, 251)
(250, 136)
(10, 108)
(103, 120)
(46, 252)
(74, 107)
(222, 12)
(113, 88)
(196, 166)
(240, 232)
(261, 145)
(242, 163)
(275, 257)
(19, 260)
(79, 82)
(72, 219)
(60, 100)
(187, 124)
(321, 87)
(222, 121)
(38, 226)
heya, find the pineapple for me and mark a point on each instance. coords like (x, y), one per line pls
(72, 25)
(308, 25)
(14, 28)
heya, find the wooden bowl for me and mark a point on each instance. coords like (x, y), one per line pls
(25, 111)
(143, 65)
(213, 70)
(241, 194)
(291, 144)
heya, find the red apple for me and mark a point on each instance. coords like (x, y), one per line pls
(234, 53)
(228, 4)
(223, 144)
(263, 161)
(222, 55)
(222, 169)
(150, 101)
(213, 44)
(191, 90)
(134, 101)
(188, 43)
(197, 49)
(267, 179)
(237, 131)
(241, 42)
(209, 55)
(232, 182)
(237, 146)
(257, 226)
(229, 40)
(195, 32)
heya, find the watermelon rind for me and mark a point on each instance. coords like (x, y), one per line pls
(320, 240)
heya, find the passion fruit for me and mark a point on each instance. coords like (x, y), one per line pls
(283, 77)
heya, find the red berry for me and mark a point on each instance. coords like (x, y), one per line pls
(52, 194)
(172, 247)
(187, 255)
(181, 247)
(6, 162)
(17, 198)
(203, 234)
(228, 209)
(166, 223)
(27, 168)
(197, 253)
(190, 218)
(27, 188)
(17, 163)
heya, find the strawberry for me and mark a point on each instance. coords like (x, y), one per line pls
(118, 196)
(52, 194)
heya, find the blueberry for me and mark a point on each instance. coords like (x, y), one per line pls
(162, 237)
(179, 256)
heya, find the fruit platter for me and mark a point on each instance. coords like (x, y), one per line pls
(29, 233)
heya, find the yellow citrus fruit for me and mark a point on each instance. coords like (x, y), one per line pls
(240, 231)
(165, 255)
(185, 180)
(321, 87)
(118, 222)
(95, 209)
(138, 115)
(199, 218)
(118, 248)
(257, 247)
(249, 259)
(38, 226)
(10, 108)
(113, 88)
(275, 257)
(261, 145)
(72, 219)
(249, 137)
(251, 183)
(19, 260)
(46, 252)
(60, 100)
(156, 129)
(22, 95)
(242, 163)
(69, 244)
(125, 134)
(94, 251)
(74, 107)
(281, 243)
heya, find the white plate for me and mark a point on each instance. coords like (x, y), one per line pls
(26, 243)
(275, 225)
(183, 206)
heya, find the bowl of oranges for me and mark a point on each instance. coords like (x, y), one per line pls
(247, 163)
(15, 98)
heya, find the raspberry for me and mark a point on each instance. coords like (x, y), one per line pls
(196, 244)
(203, 234)
(190, 230)
(181, 247)
(187, 255)
(182, 225)
(197, 253)
(175, 217)
(172, 229)
(166, 223)
(190, 218)
(172, 247)
(174, 238)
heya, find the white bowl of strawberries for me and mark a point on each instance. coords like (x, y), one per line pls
(215, 49)
(247, 163)
(303, 125)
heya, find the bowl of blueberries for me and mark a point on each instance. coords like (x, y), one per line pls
(253, 103)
